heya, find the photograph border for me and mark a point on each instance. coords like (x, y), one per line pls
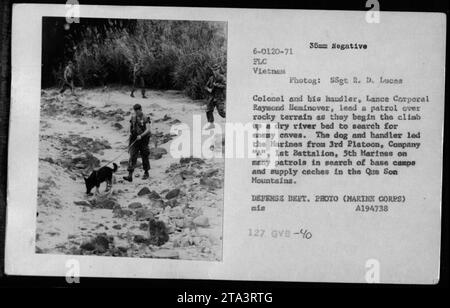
(47, 281)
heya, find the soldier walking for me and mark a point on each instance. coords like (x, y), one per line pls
(215, 86)
(68, 78)
(138, 79)
(139, 140)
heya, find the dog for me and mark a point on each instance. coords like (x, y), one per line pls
(99, 176)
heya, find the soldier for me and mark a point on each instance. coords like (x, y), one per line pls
(140, 133)
(68, 78)
(216, 88)
(138, 77)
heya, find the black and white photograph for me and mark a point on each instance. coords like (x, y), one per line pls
(226, 144)
(112, 93)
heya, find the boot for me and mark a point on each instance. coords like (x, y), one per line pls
(146, 176)
(129, 178)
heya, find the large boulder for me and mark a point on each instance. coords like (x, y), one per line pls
(118, 125)
(99, 244)
(135, 205)
(140, 239)
(144, 214)
(157, 153)
(105, 202)
(144, 191)
(154, 195)
(157, 203)
(187, 160)
(158, 232)
(88, 161)
(160, 138)
(173, 193)
(87, 246)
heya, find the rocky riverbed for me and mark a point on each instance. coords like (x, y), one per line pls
(175, 214)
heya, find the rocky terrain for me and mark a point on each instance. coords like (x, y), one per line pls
(176, 214)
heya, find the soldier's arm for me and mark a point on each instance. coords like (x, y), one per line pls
(208, 86)
(147, 130)
(221, 83)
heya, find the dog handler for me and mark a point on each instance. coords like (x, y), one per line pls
(139, 139)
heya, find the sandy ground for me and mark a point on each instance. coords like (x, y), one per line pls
(81, 132)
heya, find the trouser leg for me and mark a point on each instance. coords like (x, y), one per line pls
(210, 110)
(131, 163)
(133, 88)
(142, 84)
(210, 116)
(64, 87)
(134, 151)
(145, 153)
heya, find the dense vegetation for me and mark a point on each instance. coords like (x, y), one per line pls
(173, 54)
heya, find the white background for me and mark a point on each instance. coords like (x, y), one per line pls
(405, 241)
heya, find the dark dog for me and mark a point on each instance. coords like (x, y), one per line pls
(98, 176)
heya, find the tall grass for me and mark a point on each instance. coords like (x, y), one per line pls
(173, 54)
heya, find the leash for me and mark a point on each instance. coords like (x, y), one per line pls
(115, 158)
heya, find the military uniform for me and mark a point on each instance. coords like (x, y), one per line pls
(217, 84)
(68, 78)
(137, 127)
(138, 80)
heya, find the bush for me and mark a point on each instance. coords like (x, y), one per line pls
(173, 54)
